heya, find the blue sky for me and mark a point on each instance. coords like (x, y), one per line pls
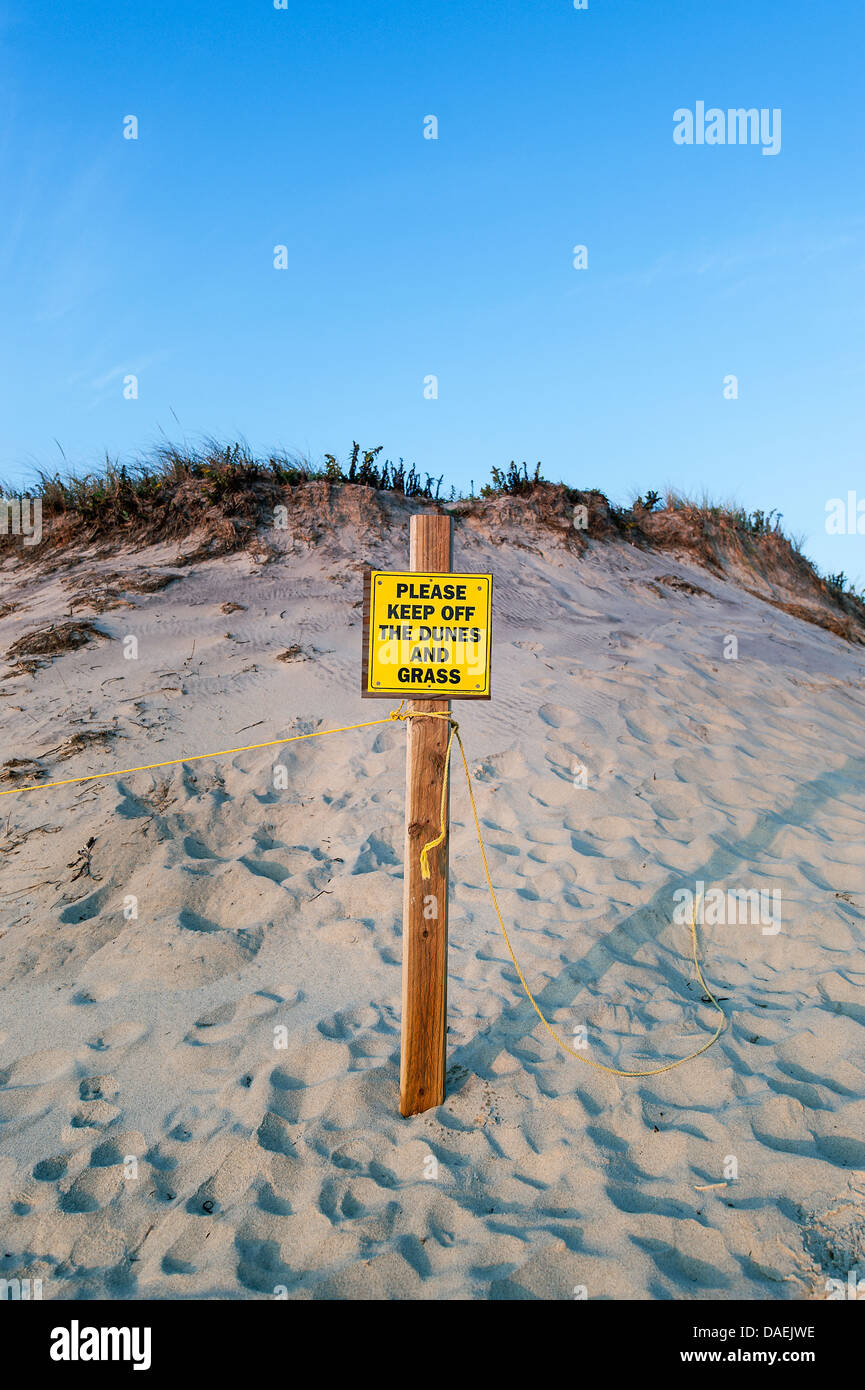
(408, 257)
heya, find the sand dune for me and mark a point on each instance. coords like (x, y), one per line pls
(199, 1028)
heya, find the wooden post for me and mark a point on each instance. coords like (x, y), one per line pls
(425, 901)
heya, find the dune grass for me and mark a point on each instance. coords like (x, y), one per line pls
(174, 488)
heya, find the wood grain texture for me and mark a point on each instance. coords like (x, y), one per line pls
(364, 652)
(425, 938)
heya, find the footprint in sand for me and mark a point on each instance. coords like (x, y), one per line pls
(117, 1148)
(30, 1085)
(51, 1169)
(118, 1037)
(558, 716)
(92, 1190)
(94, 1114)
(231, 1019)
(95, 993)
(96, 1110)
(98, 1088)
(274, 1135)
(368, 1034)
(38, 1068)
(343, 1025)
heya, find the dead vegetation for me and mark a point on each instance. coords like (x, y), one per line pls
(753, 551)
(750, 550)
(102, 590)
(19, 771)
(678, 585)
(842, 625)
(82, 863)
(37, 649)
(81, 741)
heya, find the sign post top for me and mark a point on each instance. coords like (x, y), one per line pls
(427, 636)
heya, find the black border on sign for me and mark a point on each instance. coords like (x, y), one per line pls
(403, 694)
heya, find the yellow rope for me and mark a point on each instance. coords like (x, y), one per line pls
(398, 714)
(432, 844)
(198, 757)
(431, 714)
(589, 1062)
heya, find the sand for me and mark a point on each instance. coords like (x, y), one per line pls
(199, 1017)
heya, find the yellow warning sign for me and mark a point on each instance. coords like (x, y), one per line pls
(427, 636)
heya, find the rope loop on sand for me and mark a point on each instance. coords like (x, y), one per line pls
(399, 714)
